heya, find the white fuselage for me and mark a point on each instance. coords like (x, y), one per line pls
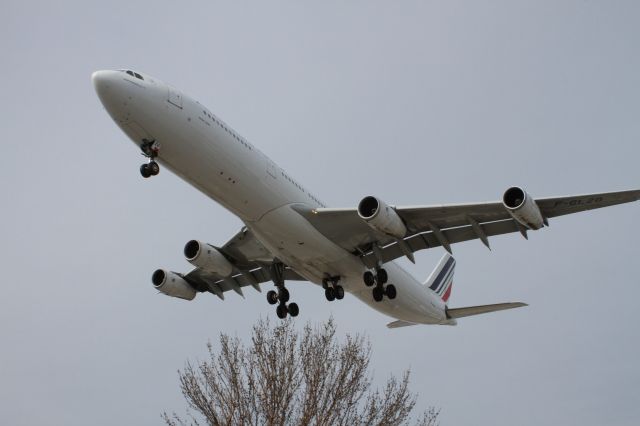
(204, 151)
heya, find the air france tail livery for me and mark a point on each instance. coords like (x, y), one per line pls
(289, 234)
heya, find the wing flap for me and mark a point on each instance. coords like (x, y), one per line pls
(429, 240)
(206, 281)
(449, 216)
(482, 309)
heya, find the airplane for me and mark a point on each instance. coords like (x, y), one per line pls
(290, 235)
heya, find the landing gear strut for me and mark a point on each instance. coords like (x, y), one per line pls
(332, 290)
(281, 296)
(150, 150)
(378, 281)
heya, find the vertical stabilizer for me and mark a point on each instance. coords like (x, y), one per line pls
(441, 279)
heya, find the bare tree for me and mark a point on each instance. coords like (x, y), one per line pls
(288, 378)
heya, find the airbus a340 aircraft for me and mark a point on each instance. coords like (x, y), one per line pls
(290, 234)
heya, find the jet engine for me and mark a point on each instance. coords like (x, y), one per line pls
(172, 284)
(381, 217)
(523, 208)
(207, 257)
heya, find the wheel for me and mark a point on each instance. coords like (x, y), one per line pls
(281, 311)
(283, 295)
(339, 290)
(144, 171)
(330, 294)
(293, 309)
(369, 278)
(390, 291)
(382, 276)
(272, 297)
(378, 294)
(153, 168)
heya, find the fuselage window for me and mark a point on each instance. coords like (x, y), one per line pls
(138, 76)
(130, 73)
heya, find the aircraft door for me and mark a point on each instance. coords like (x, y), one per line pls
(271, 168)
(175, 97)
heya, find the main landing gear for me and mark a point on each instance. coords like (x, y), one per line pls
(378, 281)
(150, 150)
(332, 290)
(281, 296)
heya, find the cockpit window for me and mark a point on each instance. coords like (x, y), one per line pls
(133, 74)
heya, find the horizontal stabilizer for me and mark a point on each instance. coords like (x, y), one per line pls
(482, 309)
(399, 323)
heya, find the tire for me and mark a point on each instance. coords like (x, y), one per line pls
(272, 297)
(390, 291)
(281, 311)
(153, 168)
(382, 276)
(330, 294)
(339, 290)
(144, 171)
(378, 294)
(369, 278)
(283, 295)
(293, 309)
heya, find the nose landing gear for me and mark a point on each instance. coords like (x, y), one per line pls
(150, 150)
(149, 169)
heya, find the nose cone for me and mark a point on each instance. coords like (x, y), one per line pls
(103, 82)
(113, 93)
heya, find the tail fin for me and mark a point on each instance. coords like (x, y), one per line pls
(441, 279)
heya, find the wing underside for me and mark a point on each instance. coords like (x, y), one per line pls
(443, 225)
(206, 281)
(251, 267)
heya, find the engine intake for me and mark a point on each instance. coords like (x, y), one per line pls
(522, 208)
(207, 257)
(172, 284)
(381, 217)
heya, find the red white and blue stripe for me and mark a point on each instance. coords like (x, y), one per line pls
(441, 278)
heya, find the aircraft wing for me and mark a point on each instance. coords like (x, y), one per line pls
(251, 262)
(246, 251)
(206, 281)
(443, 225)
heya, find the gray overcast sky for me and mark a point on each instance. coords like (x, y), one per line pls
(417, 102)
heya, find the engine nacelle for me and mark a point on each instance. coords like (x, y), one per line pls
(172, 284)
(208, 258)
(522, 208)
(381, 217)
